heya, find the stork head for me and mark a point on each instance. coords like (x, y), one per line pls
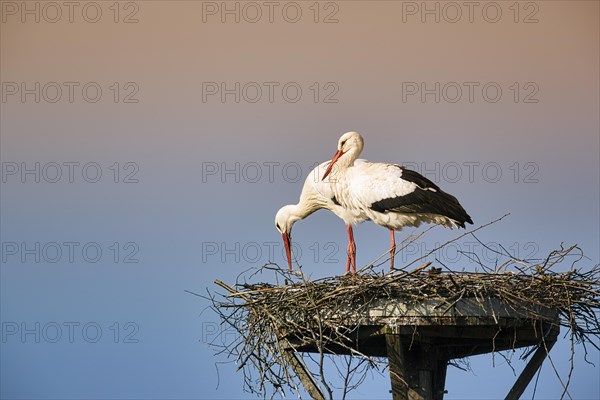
(350, 145)
(284, 220)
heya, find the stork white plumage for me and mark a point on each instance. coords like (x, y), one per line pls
(317, 193)
(387, 194)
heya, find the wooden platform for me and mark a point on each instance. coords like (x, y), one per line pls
(419, 338)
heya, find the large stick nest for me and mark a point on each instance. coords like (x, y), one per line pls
(323, 311)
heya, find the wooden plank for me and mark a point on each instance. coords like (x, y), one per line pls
(529, 371)
(467, 307)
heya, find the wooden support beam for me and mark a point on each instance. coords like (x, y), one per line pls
(288, 353)
(307, 379)
(535, 362)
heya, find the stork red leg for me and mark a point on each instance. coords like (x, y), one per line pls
(351, 251)
(392, 249)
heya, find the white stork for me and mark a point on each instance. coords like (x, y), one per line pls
(317, 193)
(387, 194)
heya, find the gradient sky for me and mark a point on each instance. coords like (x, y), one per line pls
(191, 181)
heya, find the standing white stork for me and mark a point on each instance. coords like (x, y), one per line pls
(387, 194)
(317, 193)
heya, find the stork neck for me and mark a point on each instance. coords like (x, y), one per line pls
(298, 211)
(307, 205)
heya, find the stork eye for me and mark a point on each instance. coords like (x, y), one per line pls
(343, 143)
(277, 226)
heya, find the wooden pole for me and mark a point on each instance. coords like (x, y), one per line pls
(408, 383)
(439, 380)
(395, 355)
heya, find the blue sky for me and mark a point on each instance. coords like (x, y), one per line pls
(146, 149)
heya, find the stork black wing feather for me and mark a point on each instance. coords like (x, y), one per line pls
(417, 179)
(427, 198)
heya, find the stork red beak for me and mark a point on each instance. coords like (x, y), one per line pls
(337, 155)
(288, 248)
